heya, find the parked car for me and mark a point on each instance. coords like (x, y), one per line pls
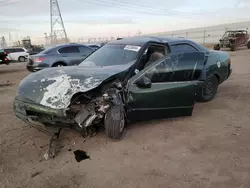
(123, 81)
(16, 54)
(3, 57)
(234, 39)
(60, 55)
(35, 50)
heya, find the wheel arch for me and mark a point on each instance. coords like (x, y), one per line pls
(218, 77)
(21, 56)
(59, 62)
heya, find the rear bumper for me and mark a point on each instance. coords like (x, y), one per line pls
(36, 67)
(33, 113)
(4, 60)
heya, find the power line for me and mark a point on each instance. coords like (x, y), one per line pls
(157, 9)
(115, 5)
(6, 3)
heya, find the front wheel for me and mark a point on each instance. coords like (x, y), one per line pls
(233, 48)
(209, 89)
(114, 122)
(21, 59)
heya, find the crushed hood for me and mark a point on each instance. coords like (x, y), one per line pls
(54, 87)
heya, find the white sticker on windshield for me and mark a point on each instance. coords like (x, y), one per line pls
(132, 48)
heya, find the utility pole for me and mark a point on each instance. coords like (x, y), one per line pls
(57, 28)
(46, 38)
(10, 39)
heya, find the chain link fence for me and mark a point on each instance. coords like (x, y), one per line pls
(209, 36)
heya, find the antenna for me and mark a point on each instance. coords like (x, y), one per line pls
(56, 23)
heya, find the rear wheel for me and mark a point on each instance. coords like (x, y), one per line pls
(217, 47)
(21, 59)
(60, 64)
(114, 122)
(248, 45)
(209, 89)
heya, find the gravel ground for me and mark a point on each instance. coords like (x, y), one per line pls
(209, 149)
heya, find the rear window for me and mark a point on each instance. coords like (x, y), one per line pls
(69, 49)
(9, 50)
(178, 48)
(48, 50)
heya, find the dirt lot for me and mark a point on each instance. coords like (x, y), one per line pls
(209, 149)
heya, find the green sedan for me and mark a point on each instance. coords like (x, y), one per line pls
(137, 78)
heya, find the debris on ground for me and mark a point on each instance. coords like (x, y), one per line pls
(51, 151)
(80, 155)
(4, 83)
(35, 174)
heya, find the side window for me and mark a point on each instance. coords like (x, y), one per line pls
(69, 49)
(151, 54)
(18, 50)
(9, 50)
(161, 72)
(178, 48)
(85, 50)
(178, 67)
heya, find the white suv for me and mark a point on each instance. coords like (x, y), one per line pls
(17, 54)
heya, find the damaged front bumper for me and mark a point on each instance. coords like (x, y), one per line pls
(33, 113)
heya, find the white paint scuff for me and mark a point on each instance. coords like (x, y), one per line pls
(58, 94)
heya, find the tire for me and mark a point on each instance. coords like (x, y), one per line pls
(59, 64)
(209, 89)
(217, 47)
(21, 59)
(114, 122)
(248, 45)
(233, 48)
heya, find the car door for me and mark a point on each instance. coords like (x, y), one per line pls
(170, 92)
(70, 55)
(84, 52)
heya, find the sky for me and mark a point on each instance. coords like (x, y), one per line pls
(106, 18)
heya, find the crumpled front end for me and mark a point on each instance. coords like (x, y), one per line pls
(39, 115)
(85, 109)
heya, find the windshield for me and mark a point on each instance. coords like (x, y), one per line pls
(112, 54)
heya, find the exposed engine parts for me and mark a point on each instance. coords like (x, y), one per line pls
(93, 110)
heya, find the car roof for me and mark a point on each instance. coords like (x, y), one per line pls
(66, 45)
(141, 40)
(14, 48)
(236, 30)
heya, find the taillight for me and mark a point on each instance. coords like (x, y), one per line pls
(5, 53)
(6, 59)
(39, 60)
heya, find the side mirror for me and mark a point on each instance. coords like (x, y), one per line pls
(144, 82)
